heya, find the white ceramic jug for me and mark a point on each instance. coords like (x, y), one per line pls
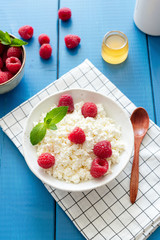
(147, 16)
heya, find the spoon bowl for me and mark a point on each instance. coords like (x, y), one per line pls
(140, 123)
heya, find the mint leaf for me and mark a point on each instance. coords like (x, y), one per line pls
(48, 121)
(2, 35)
(37, 133)
(52, 126)
(8, 38)
(5, 38)
(56, 114)
(17, 42)
(52, 117)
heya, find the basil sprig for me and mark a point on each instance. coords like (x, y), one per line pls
(52, 118)
(5, 39)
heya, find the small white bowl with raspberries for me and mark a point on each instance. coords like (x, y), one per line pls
(77, 140)
(12, 63)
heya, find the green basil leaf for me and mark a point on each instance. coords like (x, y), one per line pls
(37, 133)
(52, 126)
(56, 114)
(17, 42)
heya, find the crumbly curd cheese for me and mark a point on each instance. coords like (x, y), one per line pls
(73, 161)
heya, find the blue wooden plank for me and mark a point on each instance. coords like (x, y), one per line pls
(65, 229)
(91, 20)
(154, 53)
(27, 209)
(155, 235)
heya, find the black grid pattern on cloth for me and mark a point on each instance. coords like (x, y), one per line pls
(106, 212)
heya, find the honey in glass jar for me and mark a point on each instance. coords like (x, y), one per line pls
(115, 47)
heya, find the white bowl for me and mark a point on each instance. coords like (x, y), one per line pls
(15, 80)
(112, 109)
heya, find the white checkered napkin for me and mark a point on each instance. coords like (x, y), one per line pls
(106, 212)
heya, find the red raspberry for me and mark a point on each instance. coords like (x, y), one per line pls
(26, 32)
(13, 64)
(77, 136)
(99, 167)
(66, 100)
(103, 149)
(14, 52)
(9, 74)
(46, 160)
(72, 41)
(2, 47)
(45, 51)
(89, 109)
(64, 13)
(1, 63)
(43, 38)
(3, 77)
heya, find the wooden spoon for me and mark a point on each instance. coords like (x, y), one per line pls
(140, 123)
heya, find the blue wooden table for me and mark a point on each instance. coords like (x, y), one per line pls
(27, 210)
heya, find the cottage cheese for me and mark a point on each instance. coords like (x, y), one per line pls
(73, 161)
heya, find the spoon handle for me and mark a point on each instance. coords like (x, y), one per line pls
(134, 181)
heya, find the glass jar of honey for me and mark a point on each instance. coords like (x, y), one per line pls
(115, 47)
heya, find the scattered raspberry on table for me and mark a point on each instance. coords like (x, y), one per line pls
(72, 41)
(13, 64)
(77, 136)
(26, 32)
(43, 38)
(66, 100)
(99, 167)
(45, 51)
(64, 13)
(103, 149)
(46, 160)
(89, 109)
